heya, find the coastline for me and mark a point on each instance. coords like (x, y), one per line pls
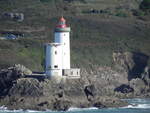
(133, 104)
(91, 90)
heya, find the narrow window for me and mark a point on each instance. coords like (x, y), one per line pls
(71, 72)
(55, 66)
(49, 67)
(63, 72)
(55, 52)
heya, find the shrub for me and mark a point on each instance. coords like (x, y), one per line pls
(45, 0)
(138, 13)
(145, 5)
(121, 14)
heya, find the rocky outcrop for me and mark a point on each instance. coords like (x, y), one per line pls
(22, 69)
(123, 61)
(131, 62)
(27, 87)
(99, 87)
(9, 76)
(138, 73)
(124, 89)
(32, 93)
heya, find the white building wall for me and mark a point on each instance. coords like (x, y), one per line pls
(64, 39)
(53, 59)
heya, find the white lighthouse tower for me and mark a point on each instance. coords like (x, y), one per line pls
(62, 36)
(57, 58)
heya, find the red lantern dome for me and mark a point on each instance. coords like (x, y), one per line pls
(62, 23)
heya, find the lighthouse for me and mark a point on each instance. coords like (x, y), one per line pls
(57, 54)
(62, 36)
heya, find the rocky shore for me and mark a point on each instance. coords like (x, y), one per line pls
(100, 87)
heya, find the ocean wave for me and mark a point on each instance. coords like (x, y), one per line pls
(4, 109)
(81, 109)
(32, 111)
(138, 106)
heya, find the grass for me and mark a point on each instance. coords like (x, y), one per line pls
(93, 37)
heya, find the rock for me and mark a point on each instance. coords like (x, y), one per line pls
(124, 89)
(138, 85)
(61, 105)
(27, 87)
(111, 101)
(132, 63)
(90, 91)
(9, 76)
(123, 61)
(86, 92)
(146, 76)
(22, 69)
(98, 105)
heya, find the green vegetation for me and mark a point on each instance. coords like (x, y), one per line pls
(145, 6)
(121, 14)
(94, 37)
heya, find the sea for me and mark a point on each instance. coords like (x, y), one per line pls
(135, 106)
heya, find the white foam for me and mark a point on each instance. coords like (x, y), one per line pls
(32, 111)
(3, 108)
(81, 109)
(138, 106)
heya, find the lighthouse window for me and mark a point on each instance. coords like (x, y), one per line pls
(55, 66)
(71, 72)
(49, 67)
(55, 52)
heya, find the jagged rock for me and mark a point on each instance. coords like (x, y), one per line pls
(146, 75)
(90, 91)
(132, 63)
(124, 89)
(9, 76)
(22, 69)
(27, 87)
(85, 92)
(98, 105)
(138, 85)
(123, 61)
(61, 105)
(111, 101)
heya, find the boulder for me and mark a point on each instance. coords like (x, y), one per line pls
(27, 87)
(124, 89)
(123, 61)
(138, 85)
(61, 105)
(133, 63)
(22, 69)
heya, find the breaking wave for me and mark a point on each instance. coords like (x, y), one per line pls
(81, 109)
(138, 106)
(4, 109)
(138, 103)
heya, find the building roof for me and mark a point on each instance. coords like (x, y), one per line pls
(62, 27)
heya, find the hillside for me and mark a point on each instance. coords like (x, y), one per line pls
(99, 28)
